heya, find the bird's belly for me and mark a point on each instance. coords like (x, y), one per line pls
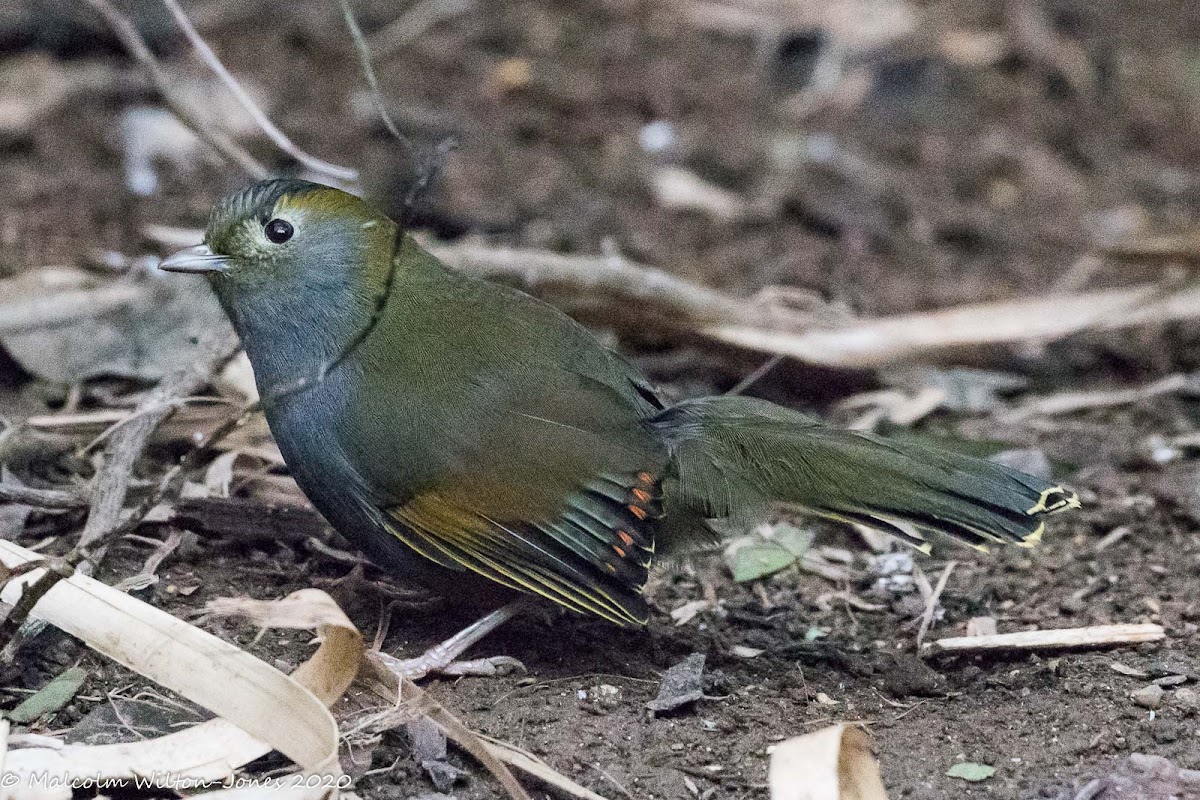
(307, 434)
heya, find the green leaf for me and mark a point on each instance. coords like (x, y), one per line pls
(758, 560)
(970, 771)
(771, 549)
(796, 540)
(51, 697)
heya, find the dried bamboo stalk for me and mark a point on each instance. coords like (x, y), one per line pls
(1057, 639)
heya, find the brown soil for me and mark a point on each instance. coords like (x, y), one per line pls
(971, 183)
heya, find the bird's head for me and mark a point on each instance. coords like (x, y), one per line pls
(286, 239)
(299, 268)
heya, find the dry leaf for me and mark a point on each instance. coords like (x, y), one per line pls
(835, 763)
(66, 325)
(529, 763)
(262, 708)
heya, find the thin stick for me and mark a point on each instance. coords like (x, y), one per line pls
(364, 57)
(931, 601)
(149, 571)
(1058, 639)
(208, 133)
(40, 498)
(1068, 402)
(281, 139)
(414, 22)
(127, 443)
(754, 377)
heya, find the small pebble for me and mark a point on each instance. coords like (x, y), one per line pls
(1148, 696)
(656, 137)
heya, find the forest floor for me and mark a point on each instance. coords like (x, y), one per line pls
(982, 154)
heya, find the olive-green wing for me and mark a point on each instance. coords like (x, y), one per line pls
(555, 493)
(592, 557)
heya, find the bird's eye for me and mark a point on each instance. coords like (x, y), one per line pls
(278, 230)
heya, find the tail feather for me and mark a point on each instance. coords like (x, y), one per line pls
(731, 454)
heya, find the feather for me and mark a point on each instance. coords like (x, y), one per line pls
(732, 452)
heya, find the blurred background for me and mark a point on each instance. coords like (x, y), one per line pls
(860, 159)
(895, 155)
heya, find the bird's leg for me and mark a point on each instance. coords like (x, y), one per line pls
(440, 658)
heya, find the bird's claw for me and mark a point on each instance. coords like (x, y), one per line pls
(429, 664)
(484, 667)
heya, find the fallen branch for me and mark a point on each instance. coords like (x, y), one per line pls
(57, 499)
(890, 340)
(1057, 639)
(1068, 402)
(250, 520)
(617, 292)
(621, 294)
(215, 138)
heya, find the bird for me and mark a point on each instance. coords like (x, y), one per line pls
(470, 437)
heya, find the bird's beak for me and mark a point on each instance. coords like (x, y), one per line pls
(198, 259)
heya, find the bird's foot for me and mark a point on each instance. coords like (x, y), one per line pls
(442, 659)
(430, 663)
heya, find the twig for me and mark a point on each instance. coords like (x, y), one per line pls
(178, 402)
(149, 572)
(620, 787)
(1111, 538)
(754, 377)
(208, 133)
(1059, 639)
(397, 689)
(890, 340)
(58, 499)
(428, 165)
(628, 296)
(277, 136)
(414, 22)
(56, 570)
(1068, 402)
(364, 57)
(931, 600)
(127, 443)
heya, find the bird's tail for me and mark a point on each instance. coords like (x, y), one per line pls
(731, 454)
